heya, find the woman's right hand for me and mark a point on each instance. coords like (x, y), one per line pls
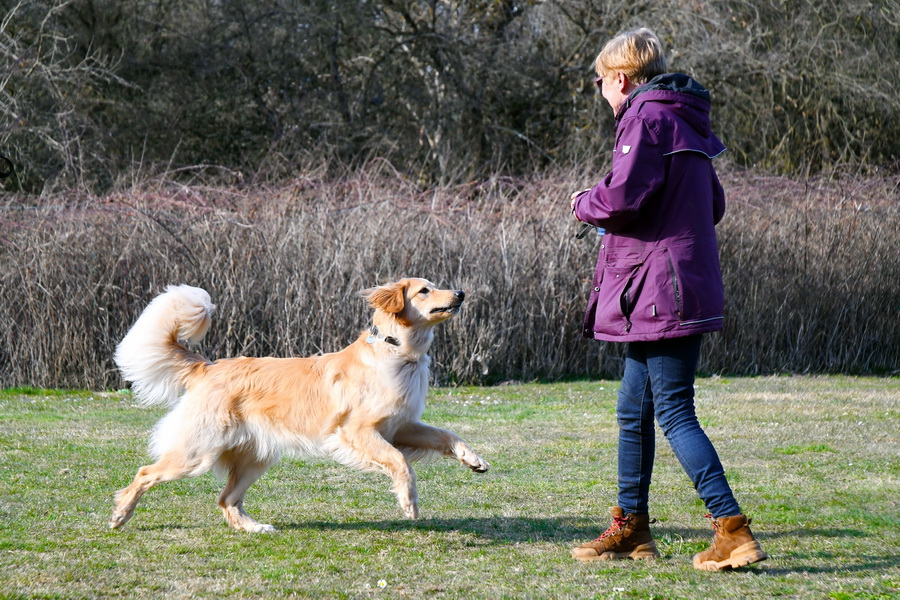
(574, 198)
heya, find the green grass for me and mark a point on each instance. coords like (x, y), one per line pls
(814, 461)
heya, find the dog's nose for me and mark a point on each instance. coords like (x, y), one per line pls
(459, 295)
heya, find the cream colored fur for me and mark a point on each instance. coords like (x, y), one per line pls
(360, 406)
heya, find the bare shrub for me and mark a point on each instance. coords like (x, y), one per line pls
(449, 92)
(50, 90)
(812, 279)
(810, 270)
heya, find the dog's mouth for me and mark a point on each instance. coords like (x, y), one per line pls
(452, 309)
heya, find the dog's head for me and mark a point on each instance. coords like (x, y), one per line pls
(415, 302)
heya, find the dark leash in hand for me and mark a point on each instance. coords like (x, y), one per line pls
(583, 230)
(6, 167)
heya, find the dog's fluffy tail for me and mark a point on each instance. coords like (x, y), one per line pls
(150, 355)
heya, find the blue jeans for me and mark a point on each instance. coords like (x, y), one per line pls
(659, 383)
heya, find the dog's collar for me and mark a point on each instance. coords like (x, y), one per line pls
(374, 334)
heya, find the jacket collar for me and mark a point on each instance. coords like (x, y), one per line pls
(667, 82)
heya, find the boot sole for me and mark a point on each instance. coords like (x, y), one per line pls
(749, 553)
(642, 552)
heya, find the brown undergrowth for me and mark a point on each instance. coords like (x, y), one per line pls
(812, 278)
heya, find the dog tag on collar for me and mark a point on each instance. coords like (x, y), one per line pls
(370, 339)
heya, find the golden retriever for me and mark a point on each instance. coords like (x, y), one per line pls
(360, 406)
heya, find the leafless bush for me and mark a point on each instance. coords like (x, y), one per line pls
(812, 276)
(49, 91)
(91, 92)
(810, 268)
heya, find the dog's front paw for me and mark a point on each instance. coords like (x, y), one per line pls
(479, 465)
(118, 519)
(467, 456)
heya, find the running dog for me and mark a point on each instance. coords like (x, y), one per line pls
(237, 416)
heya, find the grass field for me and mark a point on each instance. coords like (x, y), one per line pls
(815, 461)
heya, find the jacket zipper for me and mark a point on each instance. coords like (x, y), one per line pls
(698, 321)
(678, 310)
(625, 305)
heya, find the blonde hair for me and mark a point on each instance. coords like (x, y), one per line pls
(638, 54)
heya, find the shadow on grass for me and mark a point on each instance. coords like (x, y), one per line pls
(570, 531)
(498, 530)
(508, 530)
(831, 562)
(495, 530)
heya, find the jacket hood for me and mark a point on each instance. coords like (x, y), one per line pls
(673, 82)
(682, 93)
(685, 99)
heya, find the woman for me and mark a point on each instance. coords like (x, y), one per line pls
(658, 287)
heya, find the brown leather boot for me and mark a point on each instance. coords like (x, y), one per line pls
(733, 545)
(628, 537)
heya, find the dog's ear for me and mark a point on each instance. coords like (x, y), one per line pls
(388, 298)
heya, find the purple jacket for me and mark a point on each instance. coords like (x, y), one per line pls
(658, 273)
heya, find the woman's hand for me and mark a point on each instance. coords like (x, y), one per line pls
(574, 198)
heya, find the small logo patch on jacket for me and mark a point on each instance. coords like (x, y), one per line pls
(626, 149)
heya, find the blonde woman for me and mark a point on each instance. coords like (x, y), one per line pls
(658, 287)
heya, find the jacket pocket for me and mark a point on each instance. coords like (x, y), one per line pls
(621, 286)
(694, 285)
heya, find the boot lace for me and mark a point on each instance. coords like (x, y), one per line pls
(715, 525)
(617, 525)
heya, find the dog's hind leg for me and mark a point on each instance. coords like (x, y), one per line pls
(172, 466)
(243, 470)
(419, 436)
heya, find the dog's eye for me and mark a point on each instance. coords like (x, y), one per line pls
(424, 290)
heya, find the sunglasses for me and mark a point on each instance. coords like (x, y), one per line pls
(599, 83)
